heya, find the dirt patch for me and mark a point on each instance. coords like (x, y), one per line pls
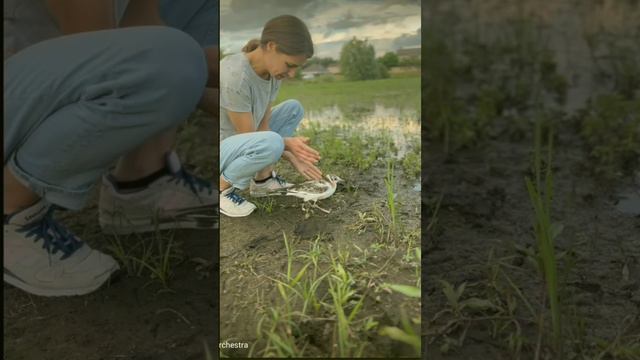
(253, 253)
(494, 215)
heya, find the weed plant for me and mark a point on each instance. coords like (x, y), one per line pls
(154, 255)
(473, 82)
(389, 182)
(616, 59)
(342, 148)
(318, 287)
(541, 193)
(610, 127)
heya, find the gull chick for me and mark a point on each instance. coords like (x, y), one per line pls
(315, 190)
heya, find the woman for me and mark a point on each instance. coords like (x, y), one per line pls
(254, 136)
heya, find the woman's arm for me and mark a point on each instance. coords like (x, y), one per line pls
(264, 123)
(75, 16)
(142, 12)
(241, 121)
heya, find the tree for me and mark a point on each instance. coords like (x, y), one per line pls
(358, 62)
(410, 61)
(328, 61)
(383, 70)
(390, 60)
(322, 61)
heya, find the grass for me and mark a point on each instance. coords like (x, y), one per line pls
(412, 163)
(610, 127)
(541, 194)
(154, 255)
(399, 92)
(320, 284)
(340, 288)
(472, 84)
(389, 182)
(342, 148)
(265, 204)
(407, 334)
(615, 56)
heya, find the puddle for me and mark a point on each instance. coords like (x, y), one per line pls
(629, 202)
(417, 187)
(403, 125)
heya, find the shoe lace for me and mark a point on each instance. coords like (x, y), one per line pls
(55, 236)
(281, 181)
(195, 183)
(237, 199)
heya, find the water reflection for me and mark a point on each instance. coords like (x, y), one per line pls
(402, 125)
(629, 202)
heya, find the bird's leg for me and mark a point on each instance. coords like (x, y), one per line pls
(306, 210)
(315, 205)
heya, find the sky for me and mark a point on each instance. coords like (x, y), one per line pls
(387, 24)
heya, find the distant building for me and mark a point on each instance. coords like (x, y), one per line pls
(407, 53)
(334, 69)
(313, 71)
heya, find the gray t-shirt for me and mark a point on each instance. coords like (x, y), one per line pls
(242, 90)
(27, 22)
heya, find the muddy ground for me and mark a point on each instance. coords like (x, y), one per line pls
(252, 250)
(133, 317)
(485, 209)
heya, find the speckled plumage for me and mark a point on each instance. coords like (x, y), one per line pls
(315, 190)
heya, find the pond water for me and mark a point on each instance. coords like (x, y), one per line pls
(402, 125)
(629, 203)
(629, 199)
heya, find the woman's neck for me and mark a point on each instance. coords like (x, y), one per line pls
(256, 60)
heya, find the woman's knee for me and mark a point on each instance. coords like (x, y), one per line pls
(295, 107)
(272, 145)
(179, 69)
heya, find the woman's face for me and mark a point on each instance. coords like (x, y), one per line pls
(281, 65)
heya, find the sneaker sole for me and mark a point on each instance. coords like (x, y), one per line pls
(268, 193)
(125, 225)
(143, 226)
(18, 283)
(236, 215)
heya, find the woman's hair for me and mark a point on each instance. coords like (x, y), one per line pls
(290, 35)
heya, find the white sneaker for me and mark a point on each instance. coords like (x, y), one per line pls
(234, 205)
(178, 200)
(43, 258)
(274, 186)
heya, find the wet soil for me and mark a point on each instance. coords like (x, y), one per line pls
(252, 250)
(485, 207)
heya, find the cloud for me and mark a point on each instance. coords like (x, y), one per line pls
(243, 14)
(390, 23)
(408, 40)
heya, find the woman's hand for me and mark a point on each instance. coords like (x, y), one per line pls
(299, 147)
(306, 169)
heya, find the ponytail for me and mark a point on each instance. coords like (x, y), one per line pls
(251, 45)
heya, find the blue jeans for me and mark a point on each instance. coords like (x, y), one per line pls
(75, 104)
(243, 155)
